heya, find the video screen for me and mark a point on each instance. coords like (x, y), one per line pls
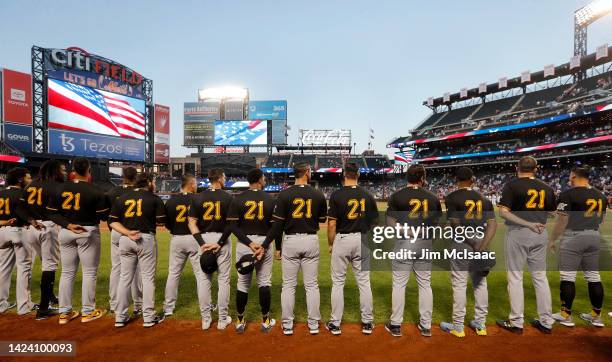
(241, 133)
(78, 108)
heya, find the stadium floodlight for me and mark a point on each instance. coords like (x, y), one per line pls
(221, 93)
(592, 11)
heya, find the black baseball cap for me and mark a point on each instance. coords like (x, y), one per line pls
(208, 262)
(246, 264)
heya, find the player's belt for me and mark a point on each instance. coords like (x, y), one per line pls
(300, 233)
(576, 230)
(347, 234)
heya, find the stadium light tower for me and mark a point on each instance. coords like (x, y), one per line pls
(223, 93)
(585, 16)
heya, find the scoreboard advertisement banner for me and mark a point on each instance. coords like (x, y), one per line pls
(97, 146)
(162, 134)
(18, 136)
(279, 131)
(270, 110)
(201, 111)
(199, 133)
(234, 110)
(16, 97)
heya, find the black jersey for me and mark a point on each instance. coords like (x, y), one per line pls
(528, 198)
(11, 206)
(413, 205)
(37, 196)
(353, 208)
(469, 206)
(139, 209)
(210, 208)
(177, 213)
(252, 209)
(301, 208)
(78, 202)
(117, 191)
(585, 206)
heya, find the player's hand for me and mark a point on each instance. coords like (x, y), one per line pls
(277, 255)
(134, 235)
(331, 248)
(537, 227)
(8, 222)
(259, 253)
(37, 225)
(214, 247)
(552, 246)
(77, 229)
(255, 247)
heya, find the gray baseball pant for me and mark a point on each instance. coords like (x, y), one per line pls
(224, 261)
(401, 274)
(75, 248)
(115, 275)
(579, 250)
(183, 248)
(459, 280)
(300, 251)
(14, 252)
(347, 250)
(142, 252)
(45, 244)
(523, 246)
(263, 269)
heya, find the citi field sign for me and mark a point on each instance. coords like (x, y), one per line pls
(80, 60)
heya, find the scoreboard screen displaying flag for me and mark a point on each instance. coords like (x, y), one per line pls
(78, 108)
(241, 133)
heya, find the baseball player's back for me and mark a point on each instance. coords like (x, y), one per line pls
(353, 208)
(529, 198)
(177, 213)
(78, 202)
(414, 205)
(210, 208)
(253, 211)
(302, 208)
(469, 207)
(585, 206)
(139, 209)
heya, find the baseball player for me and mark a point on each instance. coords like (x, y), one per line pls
(207, 221)
(580, 211)
(129, 176)
(78, 208)
(136, 215)
(298, 211)
(44, 240)
(251, 213)
(14, 250)
(352, 210)
(183, 246)
(414, 206)
(467, 207)
(525, 204)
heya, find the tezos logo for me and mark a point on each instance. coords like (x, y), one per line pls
(67, 144)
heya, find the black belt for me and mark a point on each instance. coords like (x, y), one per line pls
(576, 230)
(300, 233)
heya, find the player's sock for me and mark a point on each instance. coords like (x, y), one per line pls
(264, 300)
(52, 295)
(241, 301)
(596, 294)
(568, 293)
(45, 283)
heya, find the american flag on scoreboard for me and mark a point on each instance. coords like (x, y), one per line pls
(82, 109)
(241, 132)
(404, 158)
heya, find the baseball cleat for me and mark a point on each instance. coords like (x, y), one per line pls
(564, 319)
(367, 328)
(168, 313)
(505, 324)
(333, 329)
(158, 319)
(453, 329)
(314, 330)
(240, 325)
(479, 328)
(64, 318)
(267, 325)
(425, 332)
(120, 324)
(594, 319)
(206, 323)
(396, 331)
(288, 331)
(44, 314)
(539, 326)
(222, 324)
(137, 313)
(10, 306)
(95, 314)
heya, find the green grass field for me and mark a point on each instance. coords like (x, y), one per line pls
(187, 306)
